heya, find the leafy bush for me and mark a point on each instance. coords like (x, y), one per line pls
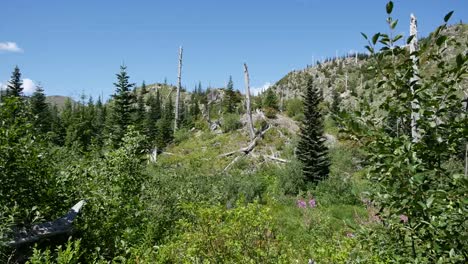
(270, 112)
(245, 234)
(294, 107)
(230, 122)
(181, 134)
(422, 204)
(70, 255)
(290, 179)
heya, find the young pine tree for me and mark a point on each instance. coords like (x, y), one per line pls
(40, 109)
(15, 85)
(123, 101)
(140, 110)
(270, 103)
(230, 97)
(311, 150)
(164, 126)
(152, 117)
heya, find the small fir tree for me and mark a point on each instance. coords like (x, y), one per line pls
(230, 97)
(40, 109)
(15, 85)
(123, 102)
(311, 150)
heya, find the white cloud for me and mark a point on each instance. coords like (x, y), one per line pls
(28, 86)
(259, 90)
(10, 47)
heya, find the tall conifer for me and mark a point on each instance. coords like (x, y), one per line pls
(312, 151)
(123, 103)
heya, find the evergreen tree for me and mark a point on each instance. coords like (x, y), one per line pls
(15, 85)
(40, 109)
(57, 127)
(230, 97)
(312, 151)
(152, 116)
(270, 100)
(164, 126)
(123, 102)
(99, 122)
(140, 111)
(336, 101)
(143, 90)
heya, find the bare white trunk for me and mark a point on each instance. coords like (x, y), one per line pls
(346, 81)
(179, 84)
(415, 103)
(466, 143)
(282, 98)
(355, 59)
(247, 97)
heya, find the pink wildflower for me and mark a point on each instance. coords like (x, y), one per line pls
(403, 218)
(301, 203)
(312, 203)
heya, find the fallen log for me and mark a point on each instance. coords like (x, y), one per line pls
(277, 159)
(250, 147)
(60, 226)
(245, 151)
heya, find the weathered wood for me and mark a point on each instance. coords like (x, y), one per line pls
(247, 97)
(60, 226)
(249, 147)
(277, 159)
(233, 162)
(415, 135)
(179, 84)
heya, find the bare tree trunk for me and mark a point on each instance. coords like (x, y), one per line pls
(346, 81)
(282, 98)
(179, 84)
(414, 103)
(466, 141)
(247, 96)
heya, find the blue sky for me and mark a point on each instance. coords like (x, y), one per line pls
(77, 46)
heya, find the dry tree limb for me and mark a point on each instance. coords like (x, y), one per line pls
(60, 226)
(233, 161)
(277, 159)
(246, 150)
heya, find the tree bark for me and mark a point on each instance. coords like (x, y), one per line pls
(247, 96)
(415, 135)
(179, 84)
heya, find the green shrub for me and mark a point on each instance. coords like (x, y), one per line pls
(270, 112)
(294, 107)
(230, 122)
(181, 135)
(290, 179)
(244, 234)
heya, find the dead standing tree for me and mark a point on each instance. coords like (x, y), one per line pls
(414, 79)
(179, 84)
(247, 102)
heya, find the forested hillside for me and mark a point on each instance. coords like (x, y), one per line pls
(359, 159)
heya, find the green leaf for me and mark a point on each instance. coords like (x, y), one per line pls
(398, 37)
(408, 41)
(375, 38)
(448, 16)
(394, 24)
(459, 60)
(389, 7)
(364, 35)
(429, 201)
(441, 40)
